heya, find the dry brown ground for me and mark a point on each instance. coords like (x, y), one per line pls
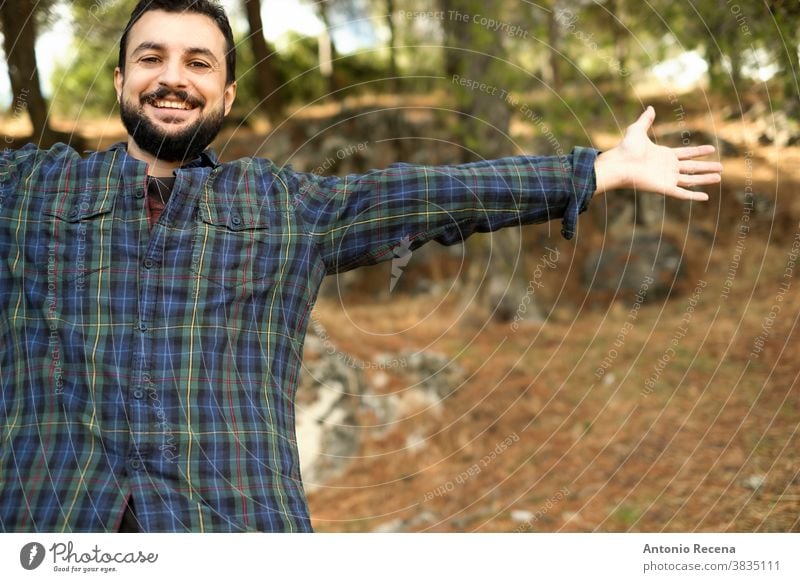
(713, 446)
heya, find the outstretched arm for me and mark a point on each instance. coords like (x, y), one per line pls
(636, 162)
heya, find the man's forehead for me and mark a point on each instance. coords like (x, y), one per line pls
(177, 29)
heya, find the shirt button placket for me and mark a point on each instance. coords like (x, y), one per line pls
(140, 417)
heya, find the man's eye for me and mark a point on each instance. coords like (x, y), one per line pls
(149, 60)
(199, 64)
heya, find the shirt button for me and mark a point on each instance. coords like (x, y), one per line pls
(142, 326)
(138, 393)
(73, 213)
(136, 464)
(148, 263)
(236, 221)
(139, 193)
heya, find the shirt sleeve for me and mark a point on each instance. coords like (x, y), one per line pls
(363, 219)
(15, 165)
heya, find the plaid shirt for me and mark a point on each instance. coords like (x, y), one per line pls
(162, 364)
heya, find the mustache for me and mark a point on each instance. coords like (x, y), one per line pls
(163, 93)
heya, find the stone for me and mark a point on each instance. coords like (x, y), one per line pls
(625, 264)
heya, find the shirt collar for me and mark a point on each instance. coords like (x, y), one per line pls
(207, 159)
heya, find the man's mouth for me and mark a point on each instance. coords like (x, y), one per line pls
(165, 104)
(173, 101)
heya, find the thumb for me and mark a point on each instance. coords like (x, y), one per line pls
(641, 125)
(646, 118)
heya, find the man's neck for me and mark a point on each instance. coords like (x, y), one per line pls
(155, 167)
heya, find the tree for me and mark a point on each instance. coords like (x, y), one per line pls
(475, 52)
(20, 22)
(328, 53)
(390, 7)
(83, 83)
(268, 77)
(786, 14)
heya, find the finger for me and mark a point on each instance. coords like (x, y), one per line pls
(684, 194)
(698, 179)
(700, 167)
(693, 151)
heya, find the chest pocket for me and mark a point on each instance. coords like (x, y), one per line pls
(236, 245)
(80, 236)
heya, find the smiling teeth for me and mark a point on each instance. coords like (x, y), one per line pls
(173, 105)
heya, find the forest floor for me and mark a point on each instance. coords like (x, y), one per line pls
(706, 443)
(692, 425)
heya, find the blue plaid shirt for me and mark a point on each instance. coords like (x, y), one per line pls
(161, 364)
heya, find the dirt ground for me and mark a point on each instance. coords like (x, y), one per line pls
(692, 426)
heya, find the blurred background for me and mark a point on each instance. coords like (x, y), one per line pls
(640, 377)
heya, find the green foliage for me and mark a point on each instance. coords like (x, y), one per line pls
(83, 83)
(299, 65)
(608, 44)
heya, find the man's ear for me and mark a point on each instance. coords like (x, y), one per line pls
(229, 96)
(118, 83)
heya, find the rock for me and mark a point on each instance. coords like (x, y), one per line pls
(780, 129)
(754, 482)
(761, 205)
(522, 515)
(624, 266)
(333, 394)
(403, 525)
(326, 416)
(415, 442)
(393, 526)
(505, 300)
(436, 375)
(383, 407)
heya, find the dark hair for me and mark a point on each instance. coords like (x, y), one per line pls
(206, 7)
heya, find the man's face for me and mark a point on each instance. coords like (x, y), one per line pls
(173, 95)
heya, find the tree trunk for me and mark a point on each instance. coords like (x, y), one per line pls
(620, 33)
(495, 281)
(394, 82)
(791, 67)
(452, 58)
(333, 85)
(268, 79)
(19, 41)
(554, 39)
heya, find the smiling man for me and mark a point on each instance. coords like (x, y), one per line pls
(175, 83)
(154, 302)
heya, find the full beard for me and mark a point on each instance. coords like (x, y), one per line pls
(180, 146)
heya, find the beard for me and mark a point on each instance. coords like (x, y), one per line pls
(180, 146)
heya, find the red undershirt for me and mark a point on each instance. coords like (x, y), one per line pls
(158, 192)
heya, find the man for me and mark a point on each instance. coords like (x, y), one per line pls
(154, 302)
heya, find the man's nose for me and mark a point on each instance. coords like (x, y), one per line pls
(173, 74)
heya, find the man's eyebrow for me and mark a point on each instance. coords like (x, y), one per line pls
(147, 45)
(202, 51)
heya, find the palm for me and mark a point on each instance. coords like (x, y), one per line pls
(645, 166)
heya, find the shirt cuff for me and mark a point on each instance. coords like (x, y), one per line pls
(584, 183)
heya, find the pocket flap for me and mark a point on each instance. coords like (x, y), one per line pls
(80, 206)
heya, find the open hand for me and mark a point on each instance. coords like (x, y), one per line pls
(636, 162)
